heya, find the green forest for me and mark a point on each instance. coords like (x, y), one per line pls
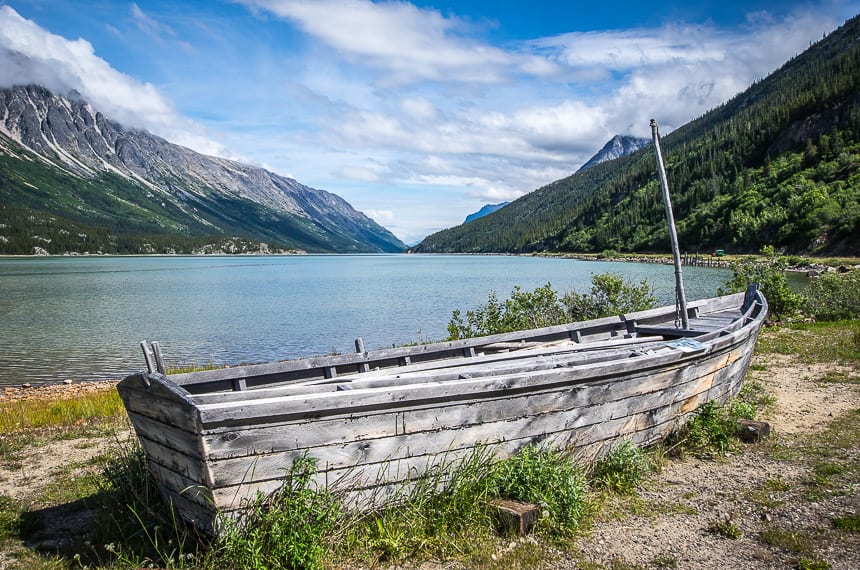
(776, 165)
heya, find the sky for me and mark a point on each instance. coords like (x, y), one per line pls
(417, 113)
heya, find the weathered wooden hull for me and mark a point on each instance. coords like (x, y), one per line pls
(396, 412)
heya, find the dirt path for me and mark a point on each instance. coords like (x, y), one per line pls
(770, 493)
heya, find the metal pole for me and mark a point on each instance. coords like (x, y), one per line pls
(680, 296)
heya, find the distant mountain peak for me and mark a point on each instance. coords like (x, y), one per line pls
(618, 146)
(102, 173)
(485, 209)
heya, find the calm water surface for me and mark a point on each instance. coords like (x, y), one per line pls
(83, 317)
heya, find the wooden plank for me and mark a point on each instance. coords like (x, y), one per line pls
(168, 435)
(279, 437)
(360, 400)
(406, 469)
(599, 328)
(180, 485)
(480, 366)
(533, 421)
(648, 427)
(152, 403)
(193, 468)
(203, 517)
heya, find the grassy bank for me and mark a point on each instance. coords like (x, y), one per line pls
(104, 511)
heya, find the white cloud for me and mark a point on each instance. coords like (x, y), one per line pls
(381, 217)
(407, 42)
(31, 54)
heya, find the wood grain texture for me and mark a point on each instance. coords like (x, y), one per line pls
(426, 408)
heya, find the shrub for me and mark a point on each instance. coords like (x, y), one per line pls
(610, 294)
(725, 528)
(769, 274)
(285, 530)
(622, 469)
(10, 511)
(710, 432)
(546, 478)
(834, 297)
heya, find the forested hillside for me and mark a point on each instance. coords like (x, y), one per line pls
(776, 165)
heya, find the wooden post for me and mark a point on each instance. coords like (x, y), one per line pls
(359, 348)
(150, 367)
(673, 234)
(159, 360)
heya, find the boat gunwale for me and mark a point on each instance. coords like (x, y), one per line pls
(594, 326)
(247, 412)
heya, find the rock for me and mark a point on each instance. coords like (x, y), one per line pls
(751, 431)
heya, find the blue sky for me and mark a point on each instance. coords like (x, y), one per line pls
(417, 113)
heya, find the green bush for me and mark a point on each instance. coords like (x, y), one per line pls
(622, 469)
(285, 530)
(10, 511)
(545, 478)
(712, 431)
(834, 297)
(769, 274)
(610, 294)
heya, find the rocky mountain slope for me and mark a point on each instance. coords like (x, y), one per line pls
(616, 147)
(77, 172)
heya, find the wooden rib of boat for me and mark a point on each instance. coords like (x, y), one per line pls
(377, 419)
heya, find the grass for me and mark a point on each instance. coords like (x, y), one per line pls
(27, 415)
(849, 523)
(796, 542)
(622, 470)
(726, 529)
(834, 342)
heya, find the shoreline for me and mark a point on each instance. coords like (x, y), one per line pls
(54, 391)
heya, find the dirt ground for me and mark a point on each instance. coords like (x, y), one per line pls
(765, 493)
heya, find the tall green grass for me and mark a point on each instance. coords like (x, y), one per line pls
(16, 416)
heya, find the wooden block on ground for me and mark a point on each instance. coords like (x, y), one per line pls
(515, 517)
(752, 431)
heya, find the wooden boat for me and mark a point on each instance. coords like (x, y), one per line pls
(377, 419)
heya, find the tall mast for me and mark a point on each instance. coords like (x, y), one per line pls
(680, 296)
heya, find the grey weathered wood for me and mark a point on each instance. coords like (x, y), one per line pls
(150, 367)
(373, 433)
(159, 358)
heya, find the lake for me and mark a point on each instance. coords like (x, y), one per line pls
(82, 318)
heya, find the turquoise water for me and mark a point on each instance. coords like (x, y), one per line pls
(82, 318)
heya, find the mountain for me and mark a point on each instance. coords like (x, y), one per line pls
(778, 165)
(73, 180)
(485, 209)
(618, 146)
